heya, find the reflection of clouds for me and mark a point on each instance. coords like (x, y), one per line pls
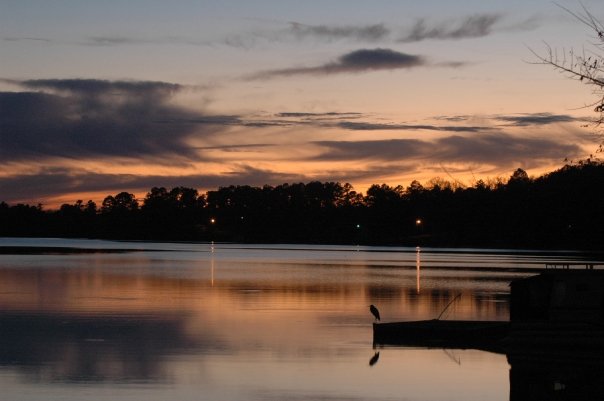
(409, 304)
(306, 395)
(220, 290)
(56, 347)
(112, 322)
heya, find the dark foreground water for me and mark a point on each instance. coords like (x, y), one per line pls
(156, 321)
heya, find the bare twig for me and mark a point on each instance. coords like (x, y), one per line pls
(586, 66)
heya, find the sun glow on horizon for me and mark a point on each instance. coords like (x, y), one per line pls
(263, 102)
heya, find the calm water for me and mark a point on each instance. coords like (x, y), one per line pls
(157, 321)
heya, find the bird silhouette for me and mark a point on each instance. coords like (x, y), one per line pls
(374, 359)
(374, 311)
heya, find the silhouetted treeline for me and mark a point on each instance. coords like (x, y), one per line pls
(562, 209)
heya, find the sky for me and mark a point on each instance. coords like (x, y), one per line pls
(102, 97)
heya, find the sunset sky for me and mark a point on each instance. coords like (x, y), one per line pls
(102, 97)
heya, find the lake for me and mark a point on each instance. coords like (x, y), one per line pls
(103, 320)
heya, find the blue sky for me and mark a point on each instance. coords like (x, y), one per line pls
(100, 97)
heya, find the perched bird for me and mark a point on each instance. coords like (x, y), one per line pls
(374, 311)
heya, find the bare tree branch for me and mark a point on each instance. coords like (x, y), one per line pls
(585, 66)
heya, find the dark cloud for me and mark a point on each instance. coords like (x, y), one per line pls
(355, 122)
(237, 148)
(523, 120)
(92, 41)
(297, 31)
(390, 149)
(26, 39)
(115, 41)
(492, 149)
(504, 149)
(293, 119)
(267, 123)
(473, 26)
(516, 120)
(112, 40)
(470, 26)
(373, 172)
(459, 118)
(298, 115)
(365, 126)
(379, 158)
(102, 87)
(354, 62)
(53, 182)
(80, 118)
(369, 33)
(316, 115)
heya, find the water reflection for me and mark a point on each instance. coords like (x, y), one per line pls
(557, 375)
(212, 264)
(100, 290)
(118, 321)
(418, 268)
(53, 347)
(218, 322)
(374, 359)
(545, 375)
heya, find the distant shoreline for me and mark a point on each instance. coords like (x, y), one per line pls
(49, 250)
(560, 210)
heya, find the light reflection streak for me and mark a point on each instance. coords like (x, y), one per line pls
(212, 263)
(418, 266)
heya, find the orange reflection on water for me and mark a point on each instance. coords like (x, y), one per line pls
(241, 297)
(231, 324)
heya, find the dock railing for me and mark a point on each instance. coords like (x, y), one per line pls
(568, 265)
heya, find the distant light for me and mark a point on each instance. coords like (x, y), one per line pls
(418, 222)
(212, 220)
(358, 226)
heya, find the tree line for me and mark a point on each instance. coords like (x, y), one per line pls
(561, 209)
